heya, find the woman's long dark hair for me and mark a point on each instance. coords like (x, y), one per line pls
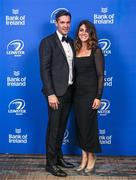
(92, 42)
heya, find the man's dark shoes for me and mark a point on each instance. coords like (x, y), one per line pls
(61, 162)
(55, 170)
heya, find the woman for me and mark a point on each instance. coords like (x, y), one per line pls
(89, 77)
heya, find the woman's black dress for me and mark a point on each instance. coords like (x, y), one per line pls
(89, 75)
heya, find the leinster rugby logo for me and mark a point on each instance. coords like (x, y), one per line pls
(66, 134)
(17, 107)
(104, 108)
(15, 48)
(105, 45)
(53, 14)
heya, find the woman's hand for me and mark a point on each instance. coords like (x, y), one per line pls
(96, 103)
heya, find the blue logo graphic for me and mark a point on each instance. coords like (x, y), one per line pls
(105, 45)
(52, 19)
(66, 134)
(15, 45)
(17, 106)
(104, 108)
(15, 48)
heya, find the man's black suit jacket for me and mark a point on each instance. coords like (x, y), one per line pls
(54, 67)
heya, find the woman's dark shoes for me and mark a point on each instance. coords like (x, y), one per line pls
(55, 170)
(61, 162)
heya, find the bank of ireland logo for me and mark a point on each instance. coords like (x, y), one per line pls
(15, 19)
(17, 106)
(15, 11)
(52, 19)
(104, 10)
(16, 73)
(16, 80)
(66, 135)
(105, 45)
(104, 137)
(15, 48)
(104, 17)
(17, 137)
(18, 131)
(104, 108)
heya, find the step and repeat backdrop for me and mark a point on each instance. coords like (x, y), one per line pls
(23, 110)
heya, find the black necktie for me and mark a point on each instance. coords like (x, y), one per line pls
(65, 39)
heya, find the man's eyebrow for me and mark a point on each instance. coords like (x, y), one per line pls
(65, 21)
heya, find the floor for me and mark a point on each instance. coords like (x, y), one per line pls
(33, 167)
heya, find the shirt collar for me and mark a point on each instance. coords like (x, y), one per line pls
(60, 35)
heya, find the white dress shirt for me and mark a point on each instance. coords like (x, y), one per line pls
(69, 55)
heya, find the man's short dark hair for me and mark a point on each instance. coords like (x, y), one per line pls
(62, 13)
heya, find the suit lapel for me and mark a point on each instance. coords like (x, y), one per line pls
(71, 44)
(72, 47)
(62, 49)
(59, 44)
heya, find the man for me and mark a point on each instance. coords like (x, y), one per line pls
(56, 66)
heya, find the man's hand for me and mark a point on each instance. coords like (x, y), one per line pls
(53, 101)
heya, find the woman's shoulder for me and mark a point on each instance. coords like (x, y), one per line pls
(97, 50)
